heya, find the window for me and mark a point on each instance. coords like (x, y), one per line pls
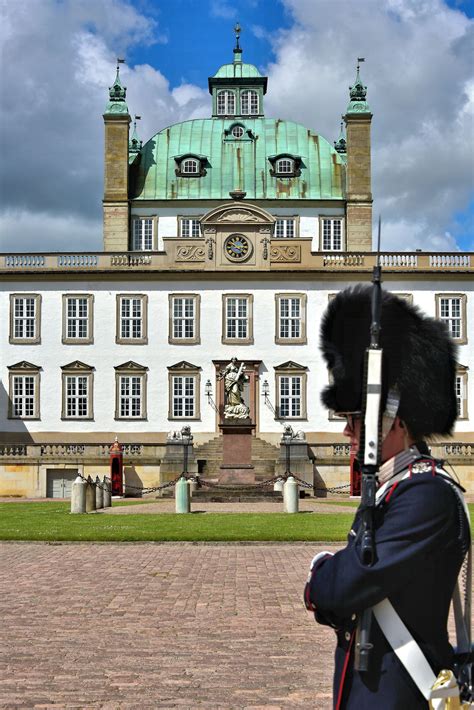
(238, 131)
(451, 308)
(331, 234)
(285, 166)
(290, 318)
(184, 384)
(184, 319)
(77, 319)
(226, 103)
(249, 102)
(461, 392)
(130, 391)
(285, 228)
(190, 166)
(291, 390)
(132, 319)
(142, 234)
(237, 319)
(25, 317)
(24, 391)
(77, 391)
(189, 228)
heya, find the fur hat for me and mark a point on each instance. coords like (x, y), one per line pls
(418, 360)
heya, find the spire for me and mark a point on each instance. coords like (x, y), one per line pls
(237, 48)
(340, 144)
(358, 93)
(135, 143)
(117, 94)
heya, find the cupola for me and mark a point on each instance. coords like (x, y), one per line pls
(117, 93)
(358, 94)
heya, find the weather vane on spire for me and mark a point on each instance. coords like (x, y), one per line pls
(120, 61)
(237, 31)
(359, 61)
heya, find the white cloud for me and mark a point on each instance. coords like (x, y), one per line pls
(223, 9)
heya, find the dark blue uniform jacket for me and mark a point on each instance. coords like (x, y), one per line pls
(422, 535)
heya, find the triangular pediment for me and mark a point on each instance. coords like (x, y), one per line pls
(77, 366)
(24, 365)
(290, 365)
(461, 368)
(130, 365)
(184, 365)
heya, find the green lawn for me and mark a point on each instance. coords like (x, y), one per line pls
(53, 521)
(50, 521)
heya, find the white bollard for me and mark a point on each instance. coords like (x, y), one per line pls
(290, 495)
(99, 494)
(90, 495)
(107, 485)
(278, 485)
(181, 494)
(78, 495)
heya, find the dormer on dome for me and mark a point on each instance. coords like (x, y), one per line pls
(117, 95)
(237, 89)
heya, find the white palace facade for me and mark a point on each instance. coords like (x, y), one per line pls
(223, 237)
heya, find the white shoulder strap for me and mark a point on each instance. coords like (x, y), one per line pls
(410, 654)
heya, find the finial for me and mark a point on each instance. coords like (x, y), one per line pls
(358, 91)
(135, 143)
(340, 144)
(117, 94)
(237, 31)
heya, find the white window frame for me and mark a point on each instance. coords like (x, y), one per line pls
(25, 318)
(184, 384)
(285, 228)
(290, 402)
(285, 166)
(77, 396)
(189, 228)
(332, 234)
(237, 311)
(290, 318)
(190, 166)
(225, 103)
(143, 233)
(130, 405)
(451, 309)
(74, 319)
(461, 393)
(249, 102)
(127, 322)
(237, 131)
(184, 318)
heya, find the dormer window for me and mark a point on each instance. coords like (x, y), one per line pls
(285, 166)
(249, 103)
(237, 131)
(190, 165)
(226, 103)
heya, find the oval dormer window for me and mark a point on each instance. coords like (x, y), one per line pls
(237, 131)
(285, 166)
(226, 103)
(190, 166)
(249, 103)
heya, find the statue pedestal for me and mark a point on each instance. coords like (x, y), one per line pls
(236, 467)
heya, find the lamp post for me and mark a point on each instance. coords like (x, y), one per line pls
(187, 438)
(265, 391)
(288, 436)
(208, 390)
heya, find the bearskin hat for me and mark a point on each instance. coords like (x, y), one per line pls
(418, 360)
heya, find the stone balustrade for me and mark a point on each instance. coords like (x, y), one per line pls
(302, 258)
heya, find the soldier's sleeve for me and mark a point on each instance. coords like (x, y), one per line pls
(419, 518)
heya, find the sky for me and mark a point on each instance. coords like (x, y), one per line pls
(58, 59)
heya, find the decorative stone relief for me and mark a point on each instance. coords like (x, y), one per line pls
(235, 216)
(285, 253)
(190, 253)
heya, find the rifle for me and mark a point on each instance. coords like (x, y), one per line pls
(369, 453)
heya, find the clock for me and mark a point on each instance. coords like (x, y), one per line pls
(237, 247)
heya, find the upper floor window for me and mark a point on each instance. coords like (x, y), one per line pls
(184, 319)
(190, 165)
(249, 102)
(291, 390)
(25, 313)
(237, 131)
(142, 234)
(237, 319)
(77, 319)
(451, 308)
(226, 103)
(24, 391)
(290, 318)
(189, 227)
(285, 165)
(184, 386)
(285, 228)
(332, 234)
(461, 391)
(132, 319)
(130, 391)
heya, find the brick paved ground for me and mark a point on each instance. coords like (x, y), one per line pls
(159, 626)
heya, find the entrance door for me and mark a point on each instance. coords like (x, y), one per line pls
(59, 482)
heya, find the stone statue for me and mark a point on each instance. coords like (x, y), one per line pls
(234, 380)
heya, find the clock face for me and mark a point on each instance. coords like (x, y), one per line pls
(237, 247)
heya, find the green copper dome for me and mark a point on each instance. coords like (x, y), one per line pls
(247, 162)
(237, 70)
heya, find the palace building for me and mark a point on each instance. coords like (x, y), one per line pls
(223, 237)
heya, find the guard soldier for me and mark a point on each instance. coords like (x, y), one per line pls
(420, 524)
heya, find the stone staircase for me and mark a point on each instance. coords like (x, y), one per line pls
(264, 457)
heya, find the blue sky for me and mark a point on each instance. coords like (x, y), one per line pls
(419, 72)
